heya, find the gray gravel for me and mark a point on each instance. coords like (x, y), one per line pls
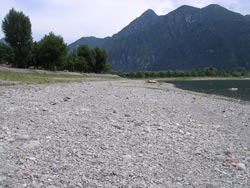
(121, 134)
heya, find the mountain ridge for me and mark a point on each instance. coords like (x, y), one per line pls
(185, 38)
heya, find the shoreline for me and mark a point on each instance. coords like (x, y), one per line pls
(214, 95)
(124, 133)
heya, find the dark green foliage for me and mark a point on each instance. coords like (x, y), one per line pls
(6, 54)
(17, 29)
(186, 38)
(100, 60)
(206, 72)
(70, 64)
(52, 52)
(49, 53)
(85, 59)
(2, 40)
(34, 56)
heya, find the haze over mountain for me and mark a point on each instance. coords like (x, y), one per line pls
(186, 38)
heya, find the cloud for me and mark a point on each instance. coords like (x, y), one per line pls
(73, 19)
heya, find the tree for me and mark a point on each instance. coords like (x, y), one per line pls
(6, 54)
(100, 60)
(89, 57)
(52, 51)
(34, 55)
(17, 29)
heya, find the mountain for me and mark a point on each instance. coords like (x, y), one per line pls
(90, 41)
(2, 40)
(185, 38)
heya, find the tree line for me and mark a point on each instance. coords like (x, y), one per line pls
(50, 53)
(206, 72)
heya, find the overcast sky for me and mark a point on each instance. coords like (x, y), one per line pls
(73, 19)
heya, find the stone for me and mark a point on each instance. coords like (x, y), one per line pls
(32, 159)
(32, 144)
(5, 128)
(127, 157)
(66, 99)
(160, 129)
(52, 186)
(2, 178)
(138, 124)
(228, 153)
(241, 166)
(11, 140)
(22, 137)
(53, 103)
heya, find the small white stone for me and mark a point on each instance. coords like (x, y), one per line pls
(127, 157)
(22, 137)
(181, 131)
(32, 144)
(188, 133)
(32, 158)
(2, 178)
(241, 166)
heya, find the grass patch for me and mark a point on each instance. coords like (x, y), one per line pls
(224, 99)
(176, 79)
(38, 78)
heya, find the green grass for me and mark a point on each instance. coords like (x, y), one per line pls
(37, 78)
(164, 79)
(176, 79)
(44, 78)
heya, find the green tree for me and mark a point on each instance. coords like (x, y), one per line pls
(34, 56)
(17, 29)
(6, 54)
(52, 51)
(89, 57)
(69, 65)
(100, 61)
(210, 71)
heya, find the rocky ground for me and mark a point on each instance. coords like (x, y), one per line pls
(121, 134)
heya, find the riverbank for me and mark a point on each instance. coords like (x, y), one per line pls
(123, 133)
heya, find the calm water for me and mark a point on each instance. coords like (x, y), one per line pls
(219, 87)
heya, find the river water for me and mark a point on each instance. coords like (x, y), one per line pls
(238, 89)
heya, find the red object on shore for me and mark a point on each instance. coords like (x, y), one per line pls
(233, 160)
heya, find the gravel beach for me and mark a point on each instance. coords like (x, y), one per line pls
(126, 134)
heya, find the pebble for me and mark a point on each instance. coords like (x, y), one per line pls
(138, 124)
(32, 144)
(66, 99)
(60, 147)
(22, 137)
(51, 186)
(241, 166)
(53, 103)
(160, 129)
(2, 178)
(127, 157)
(5, 128)
(32, 158)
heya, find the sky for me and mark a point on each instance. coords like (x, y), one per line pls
(73, 19)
